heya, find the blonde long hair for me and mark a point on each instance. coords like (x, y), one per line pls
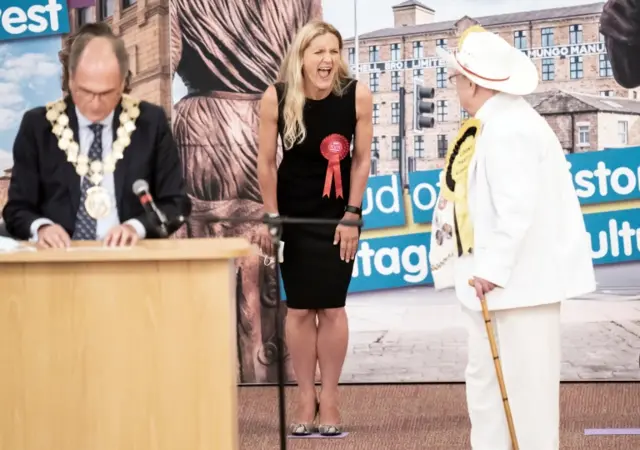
(291, 75)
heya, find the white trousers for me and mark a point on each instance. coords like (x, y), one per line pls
(528, 341)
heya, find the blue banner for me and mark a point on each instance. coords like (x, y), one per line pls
(615, 236)
(423, 189)
(21, 19)
(606, 176)
(390, 262)
(403, 261)
(401, 258)
(383, 203)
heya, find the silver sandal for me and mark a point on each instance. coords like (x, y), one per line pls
(329, 430)
(302, 429)
(305, 429)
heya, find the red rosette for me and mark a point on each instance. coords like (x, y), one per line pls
(334, 148)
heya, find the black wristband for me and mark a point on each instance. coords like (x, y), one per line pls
(353, 210)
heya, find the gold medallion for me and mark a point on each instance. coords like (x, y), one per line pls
(93, 170)
(98, 202)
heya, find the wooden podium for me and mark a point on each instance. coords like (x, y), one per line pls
(120, 349)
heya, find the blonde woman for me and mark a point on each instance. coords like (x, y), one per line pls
(324, 121)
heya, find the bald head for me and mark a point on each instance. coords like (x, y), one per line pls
(98, 60)
(97, 69)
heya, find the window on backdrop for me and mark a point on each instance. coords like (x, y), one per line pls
(548, 69)
(547, 37)
(443, 143)
(520, 39)
(605, 66)
(583, 135)
(395, 112)
(107, 7)
(442, 110)
(576, 70)
(441, 77)
(127, 3)
(395, 147)
(83, 15)
(575, 34)
(418, 50)
(374, 53)
(396, 52)
(418, 146)
(375, 147)
(395, 81)
(374, 81)
(623, 132)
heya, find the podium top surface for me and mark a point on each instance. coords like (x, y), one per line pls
(146, 250)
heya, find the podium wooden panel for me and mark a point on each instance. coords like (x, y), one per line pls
(124, 349)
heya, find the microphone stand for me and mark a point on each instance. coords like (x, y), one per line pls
(166, 227)
(275, 231)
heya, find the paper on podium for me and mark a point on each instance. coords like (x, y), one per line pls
(8, 245)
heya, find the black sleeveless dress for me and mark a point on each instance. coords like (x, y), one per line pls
(313, 275)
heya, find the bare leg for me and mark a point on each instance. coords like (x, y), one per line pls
(301, 335)
(318, 377)
(333, 337)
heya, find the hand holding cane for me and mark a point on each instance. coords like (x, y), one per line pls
(498, 365)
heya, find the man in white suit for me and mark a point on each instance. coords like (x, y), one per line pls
(520, 237)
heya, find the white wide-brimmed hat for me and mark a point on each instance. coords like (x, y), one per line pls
(491, 62)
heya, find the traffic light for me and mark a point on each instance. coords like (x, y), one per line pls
(421, 107)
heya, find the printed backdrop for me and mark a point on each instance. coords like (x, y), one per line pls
(401, 330)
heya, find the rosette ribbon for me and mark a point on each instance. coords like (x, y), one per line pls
(334, 148)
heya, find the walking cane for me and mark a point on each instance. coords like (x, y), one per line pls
(498, 365)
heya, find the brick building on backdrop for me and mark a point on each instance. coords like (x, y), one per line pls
(589, 122)
(144, 26)
(565, 44)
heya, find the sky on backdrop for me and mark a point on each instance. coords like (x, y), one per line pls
(377, 14)
(29, 77)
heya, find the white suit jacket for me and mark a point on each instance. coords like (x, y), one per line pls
(529, 234)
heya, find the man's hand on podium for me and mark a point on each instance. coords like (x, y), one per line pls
(53, 236)
(124, 235)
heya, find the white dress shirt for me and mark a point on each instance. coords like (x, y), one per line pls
(86, 137)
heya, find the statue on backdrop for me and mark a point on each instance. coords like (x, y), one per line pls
(227, 53)
(620, 25)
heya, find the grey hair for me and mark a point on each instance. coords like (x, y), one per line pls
(76, 44)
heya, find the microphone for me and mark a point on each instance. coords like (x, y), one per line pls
(141, 190)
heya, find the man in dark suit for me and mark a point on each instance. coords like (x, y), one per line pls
(76, 159)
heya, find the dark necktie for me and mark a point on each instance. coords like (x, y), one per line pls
(86, 226)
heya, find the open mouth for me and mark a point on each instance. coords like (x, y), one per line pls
(324, 73)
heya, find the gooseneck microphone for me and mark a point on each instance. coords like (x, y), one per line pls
(141, 189)
(165, 226)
